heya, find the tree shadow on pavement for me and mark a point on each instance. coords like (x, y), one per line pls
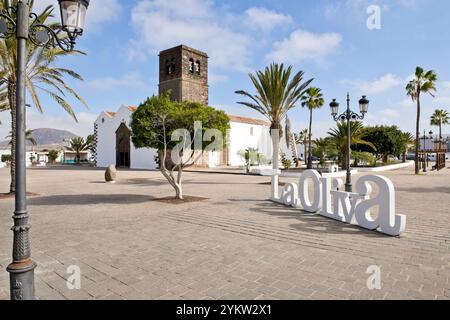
(89, 199)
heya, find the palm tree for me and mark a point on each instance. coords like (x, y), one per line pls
(78, 145)
(439, 118)
(28, 137)
(338, 139)
(312, 100)
(408, 140)
(41, 75)
(276, 94)
(423, 82)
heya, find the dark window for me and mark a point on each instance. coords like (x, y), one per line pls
(171, 66)
(191, 65)
(197, 67)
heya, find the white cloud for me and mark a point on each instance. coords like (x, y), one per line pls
(162, 24)
(99, 12)
(380, 85)
(266, 20)
(303, 45)
(131, 79)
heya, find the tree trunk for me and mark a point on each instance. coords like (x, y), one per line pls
(404, 157)
(275, 146)
(310, 137)
(417, 169)
(12, 108)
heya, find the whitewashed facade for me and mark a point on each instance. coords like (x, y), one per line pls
(244, 133)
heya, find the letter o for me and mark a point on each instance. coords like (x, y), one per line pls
(305, 201)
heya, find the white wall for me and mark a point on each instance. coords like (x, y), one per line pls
(241, 139)
(106, 142)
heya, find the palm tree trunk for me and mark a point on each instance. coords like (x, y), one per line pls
(12, 108)
(417, 169)
(310, 137)
(275, 128)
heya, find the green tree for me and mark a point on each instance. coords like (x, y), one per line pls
(53, 155)
(323, 149)
(423, 82)
(251, 157)
(170, 127)
(439, 118)
(313, 99)
(78, 145)
(366, 157)
(388, 140)
(407, 141)
(276, 95)
(42, 76)
(338, 138)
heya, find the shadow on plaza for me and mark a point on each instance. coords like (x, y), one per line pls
(439, 189)
(312, 223)
(89, 199)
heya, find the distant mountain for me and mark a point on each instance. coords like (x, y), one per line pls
(45, 136)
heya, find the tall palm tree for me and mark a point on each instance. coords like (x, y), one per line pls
(276, 94)
(78, 145)
(302, 138)
(41, 76)
(423, 82)
(439, 118)
(338, 138)
(313, 99)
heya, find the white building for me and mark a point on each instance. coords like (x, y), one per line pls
(114, 146)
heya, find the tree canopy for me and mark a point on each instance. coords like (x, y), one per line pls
(388, 140)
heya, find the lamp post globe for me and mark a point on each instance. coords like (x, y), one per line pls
(73, 15)
(364, 105)
(334, 106)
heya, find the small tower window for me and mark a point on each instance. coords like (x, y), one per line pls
(197, 67)
(191, 65)
(171, 66)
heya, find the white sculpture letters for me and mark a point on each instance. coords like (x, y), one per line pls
(352, 208)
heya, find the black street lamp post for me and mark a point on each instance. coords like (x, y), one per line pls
(349, 115)
(18, 21)
(425, 154)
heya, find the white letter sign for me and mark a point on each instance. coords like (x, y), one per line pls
(352, 208)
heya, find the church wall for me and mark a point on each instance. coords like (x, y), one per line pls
(240, 138)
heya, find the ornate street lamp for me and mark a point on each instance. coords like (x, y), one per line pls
(349, 115)
(18, 21)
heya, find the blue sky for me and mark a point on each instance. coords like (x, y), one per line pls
(329, 40)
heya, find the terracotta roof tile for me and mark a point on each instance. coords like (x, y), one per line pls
(241, 119)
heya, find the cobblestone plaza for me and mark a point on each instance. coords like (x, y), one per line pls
(233, 245)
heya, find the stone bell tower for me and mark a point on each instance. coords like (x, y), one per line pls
(184, 71)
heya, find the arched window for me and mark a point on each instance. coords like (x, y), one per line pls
(173, 65)
(170, 66)
(191, 65)
(197, 67)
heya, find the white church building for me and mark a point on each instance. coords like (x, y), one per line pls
(114, 146)
(184, 72)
